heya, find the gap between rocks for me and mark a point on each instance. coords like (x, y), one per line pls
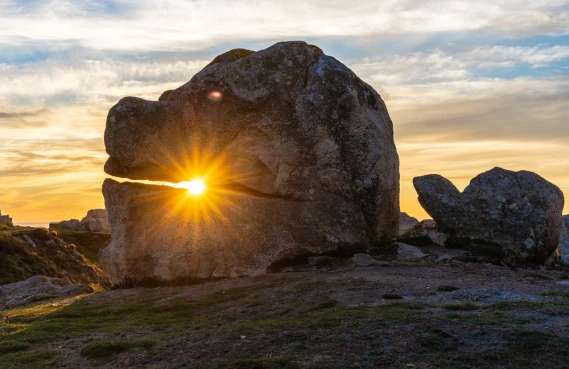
(226, 186)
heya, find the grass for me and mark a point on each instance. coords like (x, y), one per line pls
(51, 257)
(522, 349)
(13, 346)
(29, 359)
(271, 363)
(87, 243)
(462, 307)
(557, 293)
(108, 348)
(275, 322)
(516, 305)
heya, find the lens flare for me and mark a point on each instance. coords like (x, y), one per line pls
(195, 187)
(215, 95)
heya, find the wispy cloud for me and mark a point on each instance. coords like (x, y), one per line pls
(186, 25)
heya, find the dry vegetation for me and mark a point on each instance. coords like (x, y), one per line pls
(455, 316)
(51, 257)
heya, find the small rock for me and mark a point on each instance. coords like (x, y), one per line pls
(321, 260)
(443, 258)
(29, 240)
(438, 238)
(420, 234)
(365, 260)
(408, 252)
(392, 296)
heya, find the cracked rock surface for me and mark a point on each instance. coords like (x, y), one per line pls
(518, 215)
(297, 152)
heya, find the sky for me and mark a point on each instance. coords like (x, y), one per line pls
(468, 85)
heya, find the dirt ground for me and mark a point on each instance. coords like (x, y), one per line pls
(432, 313)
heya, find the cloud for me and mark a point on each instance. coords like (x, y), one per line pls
(6, 115)
(89, 81)
(469, 85)
(199, 24)
(441, 95)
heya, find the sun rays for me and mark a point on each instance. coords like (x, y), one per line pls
(195, 187)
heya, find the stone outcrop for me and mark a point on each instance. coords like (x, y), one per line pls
(563, 249)
(423, 233)
(406, 223)
(38, 288)
(298, 156)
(517, 214)
(97, 220)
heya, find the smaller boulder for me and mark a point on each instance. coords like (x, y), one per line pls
(408, 252)
(438, 238)
(514, 215)
(29, 241)
(563, 249)
(365, 260)
(423, 233)
(36, 289)
(406, 223)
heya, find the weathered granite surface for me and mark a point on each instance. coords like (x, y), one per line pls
(517, 213)
(161, 233)
(288, 129)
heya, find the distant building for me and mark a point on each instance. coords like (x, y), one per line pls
(5, 219)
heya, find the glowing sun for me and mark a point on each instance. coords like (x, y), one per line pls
(195, 187)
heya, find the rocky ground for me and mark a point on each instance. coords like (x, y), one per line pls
(437, 312)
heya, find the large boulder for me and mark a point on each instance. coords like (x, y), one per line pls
(517, 214)
(563, 249)
(297, 154)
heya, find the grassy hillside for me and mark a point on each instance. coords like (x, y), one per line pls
(87, 243)
(52, 257)
(449, 316)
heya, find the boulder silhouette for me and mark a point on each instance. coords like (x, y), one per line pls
(296, 151)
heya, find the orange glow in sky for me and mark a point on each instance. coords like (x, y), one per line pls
(477, 85)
